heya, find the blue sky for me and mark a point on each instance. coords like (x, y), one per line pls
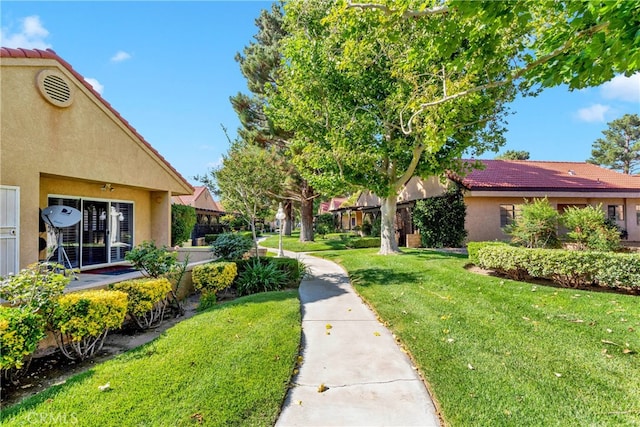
(168, 68)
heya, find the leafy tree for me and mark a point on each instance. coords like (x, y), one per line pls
(620, 148)
(352, 77)
(183, 218)
(513, 155)
(537, 225)
(259, 63)
(247, 181)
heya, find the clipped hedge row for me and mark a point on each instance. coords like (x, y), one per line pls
(363, 242)
(213, 277)
(81, 320)
(20, 332)
(474, 247)
(147, 299)
(564, 267)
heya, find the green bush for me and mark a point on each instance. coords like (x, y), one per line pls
(210, 238)
(589, 229)
(81, 320)
(20, 332)
(34, 287)
(376, 226)
(152, 261)
(474, 247)
(183, 218)
(537, 225)
(564, 267)
(212, 277)
(324, 224)
(441, 220)
(294, 270)
(260, 277)
(147, 299)
(231, 246)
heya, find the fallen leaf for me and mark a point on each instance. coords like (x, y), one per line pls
(376, 333)
(105, 387)
(198, 417)
(557, 374)
(627, 351)
(299, 402)
(525, 318)
(609, 330)
(450, 340)
(470, 366)
(322, 388)
(328, 326)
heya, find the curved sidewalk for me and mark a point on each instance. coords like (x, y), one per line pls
(369, 381)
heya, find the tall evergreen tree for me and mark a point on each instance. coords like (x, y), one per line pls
(259, 63)
(620, 148)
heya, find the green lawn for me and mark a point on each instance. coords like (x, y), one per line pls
(499, 352)
(292, 243)
(225, 366)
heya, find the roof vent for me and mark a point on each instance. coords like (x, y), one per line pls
(54, 88)
(572, 172)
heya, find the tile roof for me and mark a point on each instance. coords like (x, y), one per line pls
(6, 52)
(509, 175)
(196, 200)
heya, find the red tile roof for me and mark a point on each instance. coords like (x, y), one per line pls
(195, 200)
(6, 52)
(510, 175)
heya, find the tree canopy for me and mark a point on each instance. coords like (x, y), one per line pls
(380, 92)
(514, 155)
(620, 148)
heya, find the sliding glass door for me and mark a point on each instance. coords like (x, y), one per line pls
(104, 234)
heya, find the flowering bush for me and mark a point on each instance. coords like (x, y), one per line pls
(147, 299)
(81, 320)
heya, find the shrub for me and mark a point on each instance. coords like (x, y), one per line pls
(210, 238)
(537, 225)
(211, 278)
(325, 224)
(566, 268)
(376, 226)
(260, 277)
(441, 220)
(589, 229)
(151, 260)
(474, 247)
(294, 269)
(147, 299)
(231, 246)
(81, 320)
(20, 332)
(34, 287)
(183, 218)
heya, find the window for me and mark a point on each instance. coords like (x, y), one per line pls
(615, 212)
(508, 214)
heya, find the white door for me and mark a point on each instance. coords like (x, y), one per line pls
(9, 230)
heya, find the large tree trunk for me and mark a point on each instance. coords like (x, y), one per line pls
(388, 244)
(288, 221)
(306, 213)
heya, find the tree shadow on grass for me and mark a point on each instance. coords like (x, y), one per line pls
(379, 276)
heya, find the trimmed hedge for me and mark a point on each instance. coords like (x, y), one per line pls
(147, 299)
(564, 267)
(363, 242)
(20, 332)
(214, 276)
(474, 247)
(81, 320)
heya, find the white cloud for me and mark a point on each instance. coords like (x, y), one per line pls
(32, 35)
(96, 85)
(622, 88)
(594, 113)
(120, 56)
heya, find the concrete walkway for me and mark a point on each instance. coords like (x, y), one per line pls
(369, 381)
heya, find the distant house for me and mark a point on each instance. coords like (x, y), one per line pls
(347, 216)
(208, 211)
(495, 194)
(63, 144)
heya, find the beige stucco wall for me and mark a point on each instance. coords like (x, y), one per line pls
(73, 151)
(483, 212)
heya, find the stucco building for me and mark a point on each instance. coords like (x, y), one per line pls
(208, 212)
(494, 195)
(63, 144)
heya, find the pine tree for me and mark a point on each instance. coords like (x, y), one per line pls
(620, 148)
